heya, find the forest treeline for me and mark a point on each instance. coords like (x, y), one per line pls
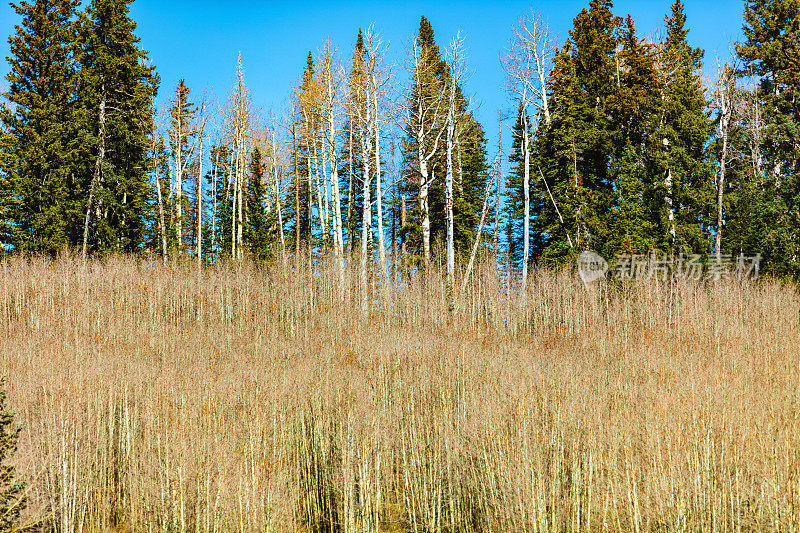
(619, 145)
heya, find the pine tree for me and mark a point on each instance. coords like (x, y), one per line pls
(684, 133)
(636, 108)
(576, 147)
(769, 196)
(38, 144)
(181, 132)
(116, 88)
(12, 495)
(260, 229)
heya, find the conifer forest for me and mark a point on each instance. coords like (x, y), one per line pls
(357, 311)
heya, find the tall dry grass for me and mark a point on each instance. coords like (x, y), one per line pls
(163, 399)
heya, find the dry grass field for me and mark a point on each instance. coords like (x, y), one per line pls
(162, 399)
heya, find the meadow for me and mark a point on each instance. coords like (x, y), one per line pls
(163, 398)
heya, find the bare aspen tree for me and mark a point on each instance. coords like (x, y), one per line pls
(296, 177)
(393, 244)
(378, 77)
(214, 175)
(495, 240)
(154, 151)
(361, 120)
(724, 102)
(350, 190)
(532, 48)
(277, 172)
(97, 175)
(199, 191)
(486, 196)
(753, 119)
(332, 75)
(526, 62)
(308, 108)
(402, 225)
(455, 72)
(237, 125)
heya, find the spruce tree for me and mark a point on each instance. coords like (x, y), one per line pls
(576, 147)
(37, 148)
(471, 168)
(182, 114)
(684, 133)
(260, 229)
(12, 495)
(636, 107)
(768, 197)
(116, 88)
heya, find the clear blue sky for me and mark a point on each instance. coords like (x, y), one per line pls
(199, 40)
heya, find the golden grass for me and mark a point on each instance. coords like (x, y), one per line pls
(162, 399)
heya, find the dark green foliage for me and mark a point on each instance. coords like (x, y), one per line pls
(625, 155)
(37, 165)
(763, 204)
(577, 146)
(221, 196)
(114, 79)
(260, 228)
(12, 495)
(686, 126)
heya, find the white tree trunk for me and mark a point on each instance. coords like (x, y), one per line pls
(366, 216)
(97, 176)
(378, 191)
(200, 199)
(449, 182)
(526, 221)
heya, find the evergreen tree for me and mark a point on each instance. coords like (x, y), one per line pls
(299, 216)
(576, 147)
(38, 143)
(636, 108)
(472, 172)
(116, 88)
(684, 133)
(181, 133)
(220, 194)
(260, 229)
(471, 168)
(12, 495)
(769, 196)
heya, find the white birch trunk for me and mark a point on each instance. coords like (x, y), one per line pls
(378, 191)
(526, 221)
(449, 181)
(200, 198)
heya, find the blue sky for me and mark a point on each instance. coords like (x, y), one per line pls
(200, 40)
